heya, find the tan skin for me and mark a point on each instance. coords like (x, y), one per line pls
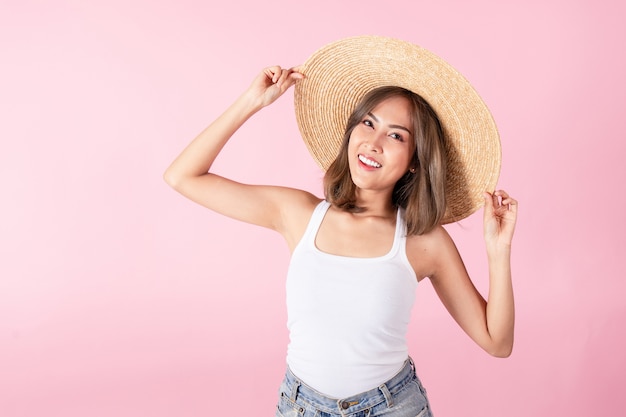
(379, 152)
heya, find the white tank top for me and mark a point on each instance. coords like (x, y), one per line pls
(348, 317)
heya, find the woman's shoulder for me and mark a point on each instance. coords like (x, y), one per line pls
(296, 200)
(434, 237)
(296, 210)
(427, 250)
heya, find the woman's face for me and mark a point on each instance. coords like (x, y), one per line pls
(381, 145)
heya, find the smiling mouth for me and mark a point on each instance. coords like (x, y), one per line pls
(369, 162)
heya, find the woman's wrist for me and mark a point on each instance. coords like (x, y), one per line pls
(249, 103)
(498, 251)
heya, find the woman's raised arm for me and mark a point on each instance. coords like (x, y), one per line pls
(189, 173)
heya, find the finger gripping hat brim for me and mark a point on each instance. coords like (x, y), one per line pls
(339, 74)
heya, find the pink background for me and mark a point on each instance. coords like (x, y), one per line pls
(120, 298)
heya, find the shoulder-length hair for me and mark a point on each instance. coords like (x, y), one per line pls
(421, 193)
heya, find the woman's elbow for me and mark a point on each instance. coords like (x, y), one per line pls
(503, 351)
(171, 179)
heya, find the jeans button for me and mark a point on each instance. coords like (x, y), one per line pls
(345, 405)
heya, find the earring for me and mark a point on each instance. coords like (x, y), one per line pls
(412, 170)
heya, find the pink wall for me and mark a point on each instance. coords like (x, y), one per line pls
(120, 298)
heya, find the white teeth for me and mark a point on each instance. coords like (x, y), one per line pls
(369, 162)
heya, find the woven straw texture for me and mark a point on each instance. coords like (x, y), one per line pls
(339, 74)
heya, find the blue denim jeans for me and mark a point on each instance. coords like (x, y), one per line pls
(401, 396)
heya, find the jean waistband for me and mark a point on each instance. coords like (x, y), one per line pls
(296, 389)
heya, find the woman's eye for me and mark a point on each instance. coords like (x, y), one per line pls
(367, 122)
(397, 137)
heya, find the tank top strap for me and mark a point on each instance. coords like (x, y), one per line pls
(400, 224)
(399, 241)
(314, 223)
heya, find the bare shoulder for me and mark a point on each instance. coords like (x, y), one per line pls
(296, 209)
(426, 252)
(296, 202)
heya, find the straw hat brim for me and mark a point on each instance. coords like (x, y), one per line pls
(339, 74)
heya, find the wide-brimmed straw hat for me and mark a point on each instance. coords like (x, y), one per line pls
(339, 74)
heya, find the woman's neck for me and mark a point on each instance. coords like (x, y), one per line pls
(377, 204)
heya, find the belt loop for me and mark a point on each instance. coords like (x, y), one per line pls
(412, 364)
(383, 388)
(294, 390)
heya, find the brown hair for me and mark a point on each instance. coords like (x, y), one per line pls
(421, 194)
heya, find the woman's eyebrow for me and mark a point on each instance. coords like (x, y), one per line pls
(370, 114)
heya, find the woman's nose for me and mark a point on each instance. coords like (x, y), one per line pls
(374, 142)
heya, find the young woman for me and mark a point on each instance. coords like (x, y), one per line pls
(358, 254)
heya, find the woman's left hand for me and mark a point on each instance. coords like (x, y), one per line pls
(500, 215)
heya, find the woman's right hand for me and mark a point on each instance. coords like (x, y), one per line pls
(272, 82)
